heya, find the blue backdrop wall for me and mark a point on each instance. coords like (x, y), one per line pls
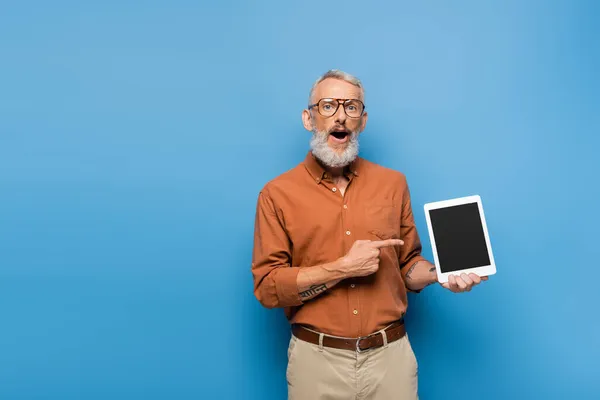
(134, 139)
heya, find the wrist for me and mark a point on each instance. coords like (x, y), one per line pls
(338, 268)
(433, 278)
(420, 275)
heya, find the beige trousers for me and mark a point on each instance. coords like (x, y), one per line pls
(324, 373)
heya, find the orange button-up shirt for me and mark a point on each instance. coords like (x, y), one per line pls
(303, 220)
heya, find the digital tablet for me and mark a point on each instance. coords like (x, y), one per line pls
(459, 237)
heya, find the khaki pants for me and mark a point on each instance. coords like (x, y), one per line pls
(384, 373)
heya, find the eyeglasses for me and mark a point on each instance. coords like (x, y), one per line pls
(328, 107)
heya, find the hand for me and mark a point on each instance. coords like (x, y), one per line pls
(463, 283)
(363, 257)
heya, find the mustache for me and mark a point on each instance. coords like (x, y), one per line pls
(339, 128)
(336, 129)
(326, 132)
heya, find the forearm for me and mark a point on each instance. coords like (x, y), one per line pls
(419, 275)
(312, 281)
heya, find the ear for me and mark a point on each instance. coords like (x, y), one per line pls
(307, 120)
(363, 124)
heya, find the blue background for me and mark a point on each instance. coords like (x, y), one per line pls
(134, 138)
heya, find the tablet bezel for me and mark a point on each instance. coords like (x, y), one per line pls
(485, 270)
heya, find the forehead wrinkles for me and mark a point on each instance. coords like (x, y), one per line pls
(336, 88)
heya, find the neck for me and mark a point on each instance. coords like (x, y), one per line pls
(333, 172)
(336, 172)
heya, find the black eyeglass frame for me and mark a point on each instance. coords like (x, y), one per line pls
(341, 102)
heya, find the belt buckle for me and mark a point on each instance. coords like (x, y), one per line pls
(358, 349)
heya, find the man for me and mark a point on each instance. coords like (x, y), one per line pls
(336, 246)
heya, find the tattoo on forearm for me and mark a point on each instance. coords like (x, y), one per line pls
(313, 290)
(410, 270)
(431, 270)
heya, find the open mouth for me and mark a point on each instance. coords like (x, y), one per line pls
(340, 135)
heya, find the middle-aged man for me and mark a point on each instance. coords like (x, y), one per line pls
(336, 246)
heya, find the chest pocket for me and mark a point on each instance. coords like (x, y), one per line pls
(383, 222)
(382, 219)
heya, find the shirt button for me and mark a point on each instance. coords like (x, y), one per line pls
(348, 233)
(352, 285)
(334, 189)
(345, 206)
(355, 312)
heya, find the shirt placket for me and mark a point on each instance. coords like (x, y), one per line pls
(349, 237)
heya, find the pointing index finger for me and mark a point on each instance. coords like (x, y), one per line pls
(387, 242)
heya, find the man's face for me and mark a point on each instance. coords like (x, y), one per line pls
(335, 137)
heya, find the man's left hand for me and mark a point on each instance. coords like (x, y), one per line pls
(463, 282)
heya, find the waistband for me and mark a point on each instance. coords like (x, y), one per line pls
(380, 338)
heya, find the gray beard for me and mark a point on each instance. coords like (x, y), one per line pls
(328, 156)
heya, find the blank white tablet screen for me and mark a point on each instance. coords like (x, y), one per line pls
(459, 237)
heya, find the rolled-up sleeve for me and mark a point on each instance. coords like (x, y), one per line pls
(275, 282)
(410, 252)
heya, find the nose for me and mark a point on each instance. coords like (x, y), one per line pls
(340, 115)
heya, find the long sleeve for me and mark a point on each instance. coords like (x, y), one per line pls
(411, 250)
(274, 279)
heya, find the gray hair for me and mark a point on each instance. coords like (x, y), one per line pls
(336, 74)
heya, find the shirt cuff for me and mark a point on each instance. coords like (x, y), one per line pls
(287, 287)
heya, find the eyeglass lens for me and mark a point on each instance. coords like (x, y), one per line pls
(328, 107)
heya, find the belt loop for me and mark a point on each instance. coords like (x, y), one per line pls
(385, 340)
(321, 335)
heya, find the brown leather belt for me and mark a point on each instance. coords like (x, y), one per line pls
(393, 332)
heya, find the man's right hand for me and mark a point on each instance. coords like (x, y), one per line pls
(363, 257)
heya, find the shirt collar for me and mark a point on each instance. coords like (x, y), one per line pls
(317, 171)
